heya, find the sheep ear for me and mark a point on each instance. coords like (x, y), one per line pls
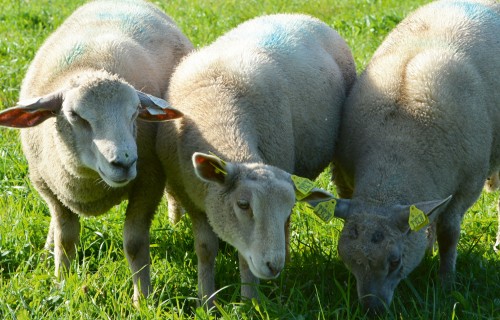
(30, 113)
(325, 205)
(154, 109)
(209, 168)
(418, 215)
(316, 196)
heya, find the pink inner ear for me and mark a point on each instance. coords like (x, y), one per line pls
(19, 118)
(199, 160)
(168, 114)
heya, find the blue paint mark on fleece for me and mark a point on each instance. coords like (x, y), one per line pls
(473, 11)
(72, 55)
(276, 38)
(126, 19)
(285, 37)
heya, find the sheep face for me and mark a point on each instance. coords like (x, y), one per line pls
(95, 123)
(248, 206)
(380, 248)
(101, 116)
(371, 247)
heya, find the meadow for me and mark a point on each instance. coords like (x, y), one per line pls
(314, 285)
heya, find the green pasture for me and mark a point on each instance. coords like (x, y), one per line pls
(314, 285)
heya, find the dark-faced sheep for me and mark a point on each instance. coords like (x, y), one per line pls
(420, 128)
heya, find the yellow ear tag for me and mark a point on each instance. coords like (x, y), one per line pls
(326, 209)
(219, 169)
(418, 219)
(303, 187)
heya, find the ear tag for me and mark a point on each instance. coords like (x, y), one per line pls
(159, 102)
(154, 111)
(219, 169)
(326, 210)
(418, 219)
(303, 187)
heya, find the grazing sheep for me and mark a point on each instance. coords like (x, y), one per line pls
(421, 123)
(493, 184)
(265, 98)
(80, 107)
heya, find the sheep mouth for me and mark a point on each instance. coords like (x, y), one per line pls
(113, 182)
(258, 274)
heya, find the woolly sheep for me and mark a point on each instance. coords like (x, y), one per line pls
(79, 103)
(420, 125)
(265, 98)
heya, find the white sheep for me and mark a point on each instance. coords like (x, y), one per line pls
(421, 123)
(79, 106)
(265, 98)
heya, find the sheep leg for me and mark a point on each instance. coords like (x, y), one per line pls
(448, 234)
(249, 282)
(206, 245)
(64, 233)
(175, 210)
(136, 246)
(496, 247)
(49, 243)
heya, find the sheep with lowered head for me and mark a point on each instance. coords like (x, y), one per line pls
(265, 99)
(79, 106)
(419, 136)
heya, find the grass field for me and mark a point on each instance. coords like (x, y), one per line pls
(314, 285)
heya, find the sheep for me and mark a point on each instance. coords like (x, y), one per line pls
(419, 128)
(493, 184)
(265, 100)
(78, 107)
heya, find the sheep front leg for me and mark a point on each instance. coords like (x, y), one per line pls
(206, 245)
(136, 247)
(64, 233)
(448, 234)
(249, 282)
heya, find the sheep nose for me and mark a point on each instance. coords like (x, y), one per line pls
(275, 271)
(373, 305)
(124, 163)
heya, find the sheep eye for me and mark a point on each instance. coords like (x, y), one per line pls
(74, 116)
(243, 204)
(353, 233)
(377, 237)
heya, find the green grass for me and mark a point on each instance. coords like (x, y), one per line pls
(314, 285)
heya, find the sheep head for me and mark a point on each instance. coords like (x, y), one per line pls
(248, 206)
(96, 118)
(379, 247)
